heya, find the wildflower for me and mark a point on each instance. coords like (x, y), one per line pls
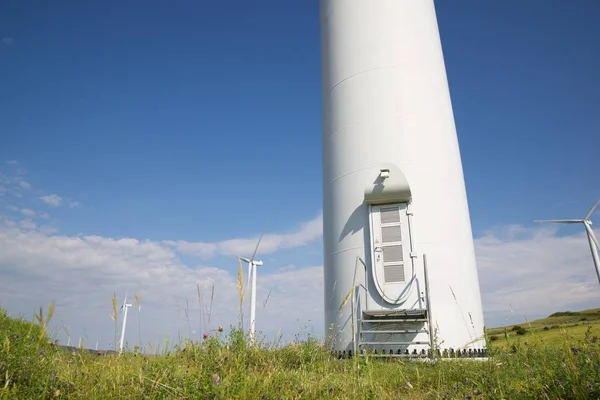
(42, 352)
(216, 379)
(205, 335)
(574, 351)
(220, 328)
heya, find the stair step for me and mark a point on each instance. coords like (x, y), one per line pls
(419, 355)
(392, 343)
(397, 331)
(384, 321)
(396, 313)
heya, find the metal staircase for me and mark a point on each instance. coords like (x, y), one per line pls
(395, 332)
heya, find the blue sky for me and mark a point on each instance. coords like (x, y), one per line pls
(199, 122)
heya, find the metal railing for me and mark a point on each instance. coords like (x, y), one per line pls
(428, 303)
(355, 296)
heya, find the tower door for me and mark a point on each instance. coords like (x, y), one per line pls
(390, 251)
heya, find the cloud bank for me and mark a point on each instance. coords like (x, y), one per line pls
(524, 272)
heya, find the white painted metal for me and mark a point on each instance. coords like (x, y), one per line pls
(253, 303)
(593, 241)
(389, 137)
(125, 306)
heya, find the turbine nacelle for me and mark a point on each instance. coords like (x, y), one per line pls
(254, 262)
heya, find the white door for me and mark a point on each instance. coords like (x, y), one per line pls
(390, 241)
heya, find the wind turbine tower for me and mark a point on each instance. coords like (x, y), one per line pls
(124, 307)
(587, 223)
(252, 264)
(399, 259)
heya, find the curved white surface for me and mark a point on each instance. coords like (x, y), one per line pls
(386, 100)
(394, 189)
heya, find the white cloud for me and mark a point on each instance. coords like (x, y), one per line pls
(27, 224)
(81, 273)
(533, 272)
(11, 179)
(74, 204)
(44, 215)
(270, 243)
(12, 208)
(52, 200)
(28, 212)
(25, 185)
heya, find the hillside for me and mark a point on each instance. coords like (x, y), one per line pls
(553, 329)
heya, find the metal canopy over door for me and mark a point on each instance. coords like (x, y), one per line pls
(390, 241)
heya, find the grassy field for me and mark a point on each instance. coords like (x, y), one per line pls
(559, 327)
(553, 358)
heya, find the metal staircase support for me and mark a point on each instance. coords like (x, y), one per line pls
(426, 276)
(422, 315)
(354, 303)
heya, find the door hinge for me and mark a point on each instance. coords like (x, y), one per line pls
(413, 254)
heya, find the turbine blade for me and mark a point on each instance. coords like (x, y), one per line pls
(591, 234)
(256, 249)
(561, 221)
(589, 214)
(243, 259)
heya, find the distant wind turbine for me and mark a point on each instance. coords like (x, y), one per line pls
(125, 306)
(252, 264)
(594, 246)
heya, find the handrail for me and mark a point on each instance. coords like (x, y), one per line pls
(352, 305)
(428, 302)
(352, 308)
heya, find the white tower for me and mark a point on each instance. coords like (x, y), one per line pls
(125, 306)
(393, 186)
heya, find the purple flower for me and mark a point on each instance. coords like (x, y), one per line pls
(205, 335)
(574, 350)
(216, 379)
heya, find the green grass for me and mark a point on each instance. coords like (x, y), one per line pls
(558, 363)
(557, 328)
